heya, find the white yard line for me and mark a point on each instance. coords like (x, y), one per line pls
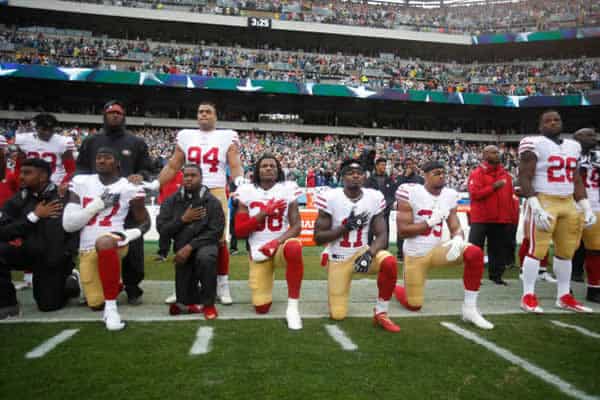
(339, 336)
(533, 369)
(202, 343)
(51, 343)
(579, 329)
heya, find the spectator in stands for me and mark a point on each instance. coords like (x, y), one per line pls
(492, 211)
(381, 181)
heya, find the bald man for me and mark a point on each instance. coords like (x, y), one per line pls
(493, 211)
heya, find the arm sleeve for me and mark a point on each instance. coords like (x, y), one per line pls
(166, 223)
(69, 169)
(244, 224)
(76, 217)
(214, 228)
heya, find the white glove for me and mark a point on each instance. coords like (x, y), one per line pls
(240, 180)
(154, 185)
(437, 216)
(456, 244)
(541, 218)
(95, 206)
(128, 235)
(589, 217)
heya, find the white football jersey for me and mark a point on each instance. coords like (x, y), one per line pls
(556, 164)
(423, 203)
(88, 187)
(591, 180)
(50, 151)
(335, 203)
(255, 198)
(209, 150)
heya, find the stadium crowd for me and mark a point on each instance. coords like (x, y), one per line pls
(548, 77)
(313, 161)
(531, 15)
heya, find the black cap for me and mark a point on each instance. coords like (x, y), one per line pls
(39, 164)
(349, 164)
(108, 150)
(431, 165)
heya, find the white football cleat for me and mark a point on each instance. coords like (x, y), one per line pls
(472, 315)
(223, 293)
(546, 276)
(172, 299)
(568, 302)
(292, 316)
(112, 319)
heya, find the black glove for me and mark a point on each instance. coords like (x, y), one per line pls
(355, 221)
(362, 263)
(110, 199)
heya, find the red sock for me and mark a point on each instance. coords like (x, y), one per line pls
(544, 262)
(523, 250)
(473, 260)
(109, 269)
(592, 268)
(386, 279)
(292, 252)
(223, 260)
(263, 308)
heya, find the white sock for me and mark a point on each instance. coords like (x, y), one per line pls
(562, 270)
(222, 279)
(110, 305)
(381, 306)
(292, 303)
(531, 267)
(471, 297)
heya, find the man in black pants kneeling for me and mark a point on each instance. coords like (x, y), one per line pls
(194, 219)
(32, 236)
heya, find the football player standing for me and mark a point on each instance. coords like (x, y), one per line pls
(549, 178)
(214, 150)
(590, 171)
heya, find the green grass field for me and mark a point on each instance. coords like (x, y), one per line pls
(263, 360)
(238, 270)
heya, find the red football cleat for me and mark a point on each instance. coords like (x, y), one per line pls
(195, 308)
(385, 322)
(568, 302)
(400, 294)
(178, 309)
(210, 312)
(529, 303)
